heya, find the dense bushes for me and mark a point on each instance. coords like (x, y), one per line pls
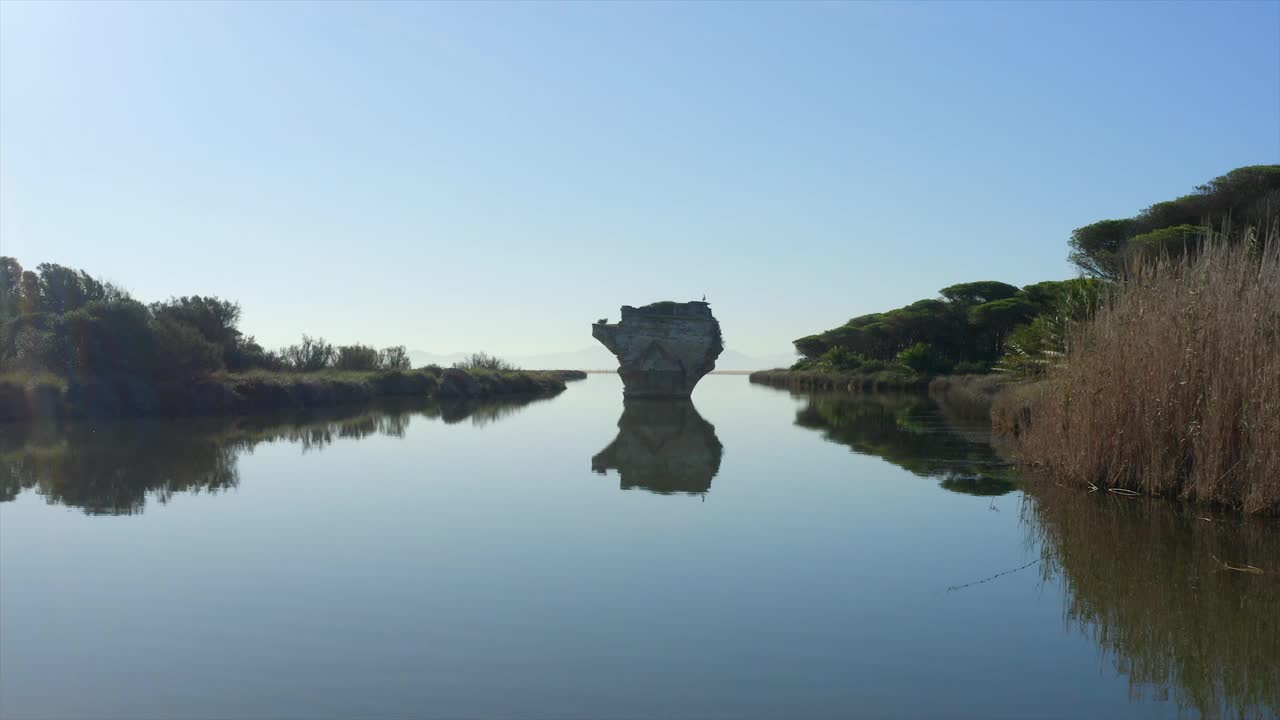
(28, 396)
(965, 330)
(66, 322)
(483, 361)
(1173, 388)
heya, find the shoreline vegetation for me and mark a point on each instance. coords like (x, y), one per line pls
(1156, 373)
(74, 346)
(44, 396)
(1172, 390)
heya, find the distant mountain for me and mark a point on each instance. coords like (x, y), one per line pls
(597, 358)
(420, 358)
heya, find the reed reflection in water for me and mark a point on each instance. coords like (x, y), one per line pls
(1147, 580)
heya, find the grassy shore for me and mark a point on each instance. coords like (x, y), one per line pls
(838, 381)
(26, 397)
(977, 390)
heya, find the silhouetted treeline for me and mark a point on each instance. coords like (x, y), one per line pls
(966, 330)
(63, 321)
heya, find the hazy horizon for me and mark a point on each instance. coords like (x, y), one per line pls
(459, 177)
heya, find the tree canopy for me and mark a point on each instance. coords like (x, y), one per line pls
(963, 330)
(64, 321)
(1247, 197)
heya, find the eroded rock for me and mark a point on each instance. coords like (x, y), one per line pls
(663, 349)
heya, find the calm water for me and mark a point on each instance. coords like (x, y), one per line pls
(753, 554)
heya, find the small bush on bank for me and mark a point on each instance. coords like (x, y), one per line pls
(355, 357)
(484, 361)
(309, 355)
(394, 358)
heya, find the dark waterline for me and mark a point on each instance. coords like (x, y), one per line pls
(751, 554)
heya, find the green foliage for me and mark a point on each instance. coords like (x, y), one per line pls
(1002, 314)
(183, 351)
(394, 358)
(1171, 241)
(355, 357)
(838, 358)
(922, 358)
(812, 346)
(977, 293)
(1034, 348)
(249, 355)
(1098, 249)
(310, 355)
(1239, 201)
(968, 325)
(62, 321)
(10, 288)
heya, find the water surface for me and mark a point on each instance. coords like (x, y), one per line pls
(751, 554)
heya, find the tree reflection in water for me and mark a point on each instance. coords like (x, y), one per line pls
(114, 467)
(917, 434)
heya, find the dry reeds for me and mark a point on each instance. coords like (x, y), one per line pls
(1174, 388)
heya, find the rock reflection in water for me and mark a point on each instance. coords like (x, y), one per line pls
(112, 467)
(663, 446)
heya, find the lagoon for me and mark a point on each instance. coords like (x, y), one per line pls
(756, 553)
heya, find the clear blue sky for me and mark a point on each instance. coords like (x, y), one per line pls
(497, 176)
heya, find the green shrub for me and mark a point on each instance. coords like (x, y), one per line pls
(394, 358)
(356, 358)
(183, 352)
(483, 361)
(309, 355)
(923, 359)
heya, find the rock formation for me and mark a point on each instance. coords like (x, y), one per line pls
(663, 446)
(663, 349)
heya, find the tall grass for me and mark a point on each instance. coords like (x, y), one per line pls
(1174, 387)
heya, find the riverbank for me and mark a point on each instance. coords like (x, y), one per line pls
(975, 389)
(1172, 390)
(28, 397)
(839, 381)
